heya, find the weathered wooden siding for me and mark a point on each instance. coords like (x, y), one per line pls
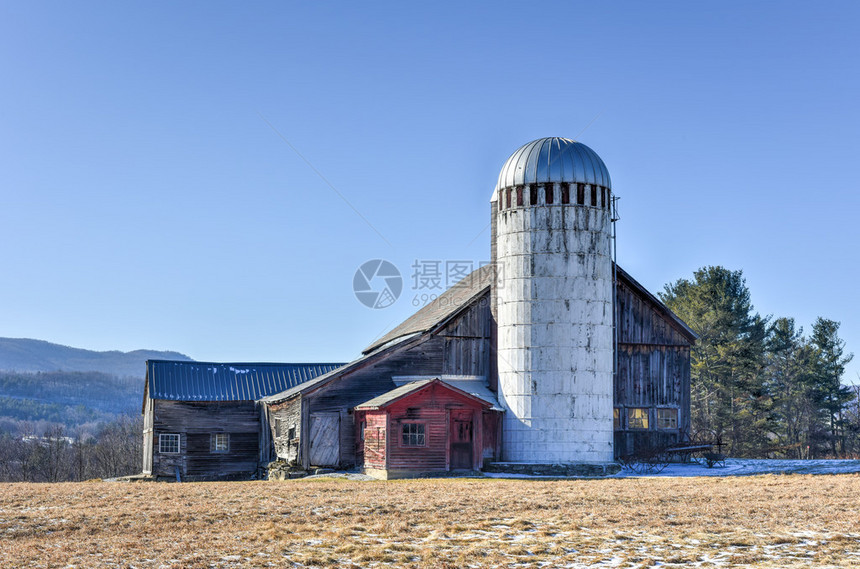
(651, 375)
(467, 340)
(474, 322)
(147, 436)
(282, 418)
(652, 370)
(347, 437)
(492, 439)
(241, 458)
(324, 439)
(195, 422)
(639, 321)
(365, 383)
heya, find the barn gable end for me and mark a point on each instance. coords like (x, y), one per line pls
(652, 379)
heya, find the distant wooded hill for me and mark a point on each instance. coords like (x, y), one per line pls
(22, 354)
(71, 398)
(43, 383)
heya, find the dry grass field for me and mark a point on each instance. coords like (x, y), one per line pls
(761, 521)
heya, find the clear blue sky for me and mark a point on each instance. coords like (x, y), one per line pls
(146, 203)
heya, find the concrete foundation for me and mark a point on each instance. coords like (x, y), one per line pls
(563, 470)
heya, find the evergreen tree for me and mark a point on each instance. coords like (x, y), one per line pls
(728, 394)
(791, 382)
(830, 367)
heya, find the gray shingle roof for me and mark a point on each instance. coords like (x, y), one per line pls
(207, 381)
(445, 305)
(320, 380)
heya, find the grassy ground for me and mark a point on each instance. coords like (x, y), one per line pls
(762, 521)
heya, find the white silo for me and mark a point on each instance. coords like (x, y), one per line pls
(553, 304)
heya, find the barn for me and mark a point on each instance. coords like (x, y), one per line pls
(201, 420)
(551, 358)
(578, 362)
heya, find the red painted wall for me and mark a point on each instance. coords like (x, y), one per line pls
(430, 407)
(375, 438)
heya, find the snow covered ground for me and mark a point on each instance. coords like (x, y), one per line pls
(733, 467)
(749, 466)
(736, 467)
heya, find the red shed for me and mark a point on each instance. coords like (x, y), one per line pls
(423, 427)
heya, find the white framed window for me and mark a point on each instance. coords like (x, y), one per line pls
(168, 443)
(637, 418)
(220, 442)
(413, 435)
(667, 418)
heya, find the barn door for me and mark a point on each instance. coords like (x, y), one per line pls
(461, 440)
(325, 429)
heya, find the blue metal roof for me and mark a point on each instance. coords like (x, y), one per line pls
(207, 381)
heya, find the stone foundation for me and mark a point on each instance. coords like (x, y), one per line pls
(533, 469)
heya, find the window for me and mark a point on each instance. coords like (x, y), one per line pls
(637, 418)
(667, 418)
(616, 418)
(291, 433)
(219, 442)
(362, 427)
(413, 434)
(168, 443)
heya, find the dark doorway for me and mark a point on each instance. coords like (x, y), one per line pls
(461, 440)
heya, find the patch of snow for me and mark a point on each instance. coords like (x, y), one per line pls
(751, 466)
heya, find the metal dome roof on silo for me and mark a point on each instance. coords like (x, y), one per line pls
(554, 159)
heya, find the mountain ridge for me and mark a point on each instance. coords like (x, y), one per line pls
(31, 355)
